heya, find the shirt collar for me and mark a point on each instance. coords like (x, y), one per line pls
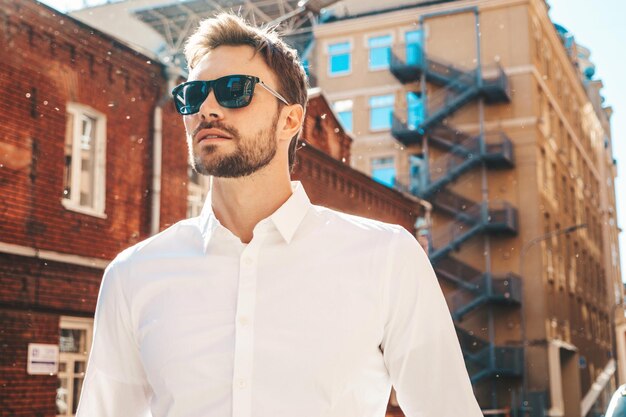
(286, 219)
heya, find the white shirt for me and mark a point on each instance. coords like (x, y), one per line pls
(316, 317)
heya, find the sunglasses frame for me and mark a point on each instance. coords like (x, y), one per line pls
(209, 85)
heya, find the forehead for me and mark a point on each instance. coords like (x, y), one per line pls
(227, 60)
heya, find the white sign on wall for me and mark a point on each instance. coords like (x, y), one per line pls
(43, 359)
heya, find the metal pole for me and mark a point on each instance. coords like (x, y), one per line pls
(425, 180)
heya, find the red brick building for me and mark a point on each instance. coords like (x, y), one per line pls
(92, 160)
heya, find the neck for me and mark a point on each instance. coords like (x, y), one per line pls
(240, 203)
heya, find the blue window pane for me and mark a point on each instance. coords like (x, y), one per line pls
(415, 110)
(339, 63)
(414, 36)
(379, 57)
(380, 51)
(380, 118)
(346, 120)
(413, 42)
(339, 58)
(385, 176)
(381, 111)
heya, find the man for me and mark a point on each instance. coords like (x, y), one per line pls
(265, 305)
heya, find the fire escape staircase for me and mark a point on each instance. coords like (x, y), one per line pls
(486, 360)
(463, 153)
(457, 88)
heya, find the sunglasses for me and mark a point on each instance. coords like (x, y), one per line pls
(231, 92)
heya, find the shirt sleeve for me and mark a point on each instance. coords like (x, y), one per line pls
(420, 347)
(115, 384)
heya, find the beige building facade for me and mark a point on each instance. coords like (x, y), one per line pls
(491, 113)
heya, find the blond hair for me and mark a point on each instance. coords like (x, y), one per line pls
(228, 29)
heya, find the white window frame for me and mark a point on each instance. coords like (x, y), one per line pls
(367, 47)
(369, 106)
(327, 46)
(72, 202)
(70, 358)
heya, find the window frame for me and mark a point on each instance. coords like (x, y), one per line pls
(72, 202)
(367, 45)
(337, 107)
(329, 56)
(370, 108)
(70, 358)
(404, 44)
(386, 161)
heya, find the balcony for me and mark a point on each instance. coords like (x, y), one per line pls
(498, 151)
(495, 86)
(502, 218)
(407, 135)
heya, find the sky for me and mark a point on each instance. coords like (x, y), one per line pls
(595, 24)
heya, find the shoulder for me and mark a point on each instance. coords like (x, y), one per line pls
(182, 238)
(361, 227)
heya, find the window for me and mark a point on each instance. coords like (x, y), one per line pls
(384, 171)
(415, 109)
(74, 345)
(197, 190)
(414, 42)
(381, 111)
(339, 61)
(416, 173)
(85, 152)
(343, 108)
(380, 52)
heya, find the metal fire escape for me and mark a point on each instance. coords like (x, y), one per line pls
(455, 88)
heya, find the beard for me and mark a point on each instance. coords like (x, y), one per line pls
(250, 154)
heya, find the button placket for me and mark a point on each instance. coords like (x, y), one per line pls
(244, 321)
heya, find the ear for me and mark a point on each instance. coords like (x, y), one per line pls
(292, 120)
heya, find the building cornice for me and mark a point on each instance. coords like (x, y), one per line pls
(405, 16)
(48, 255)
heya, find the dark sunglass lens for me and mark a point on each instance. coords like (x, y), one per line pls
(234, 91)
(189, 96)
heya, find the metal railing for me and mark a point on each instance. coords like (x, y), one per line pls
(482, 289)
(408, 61)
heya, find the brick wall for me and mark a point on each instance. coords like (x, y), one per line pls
(322, 129)
(21, 396)
(334, 184)
(48, 60)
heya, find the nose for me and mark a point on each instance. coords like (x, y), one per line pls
(210, 108)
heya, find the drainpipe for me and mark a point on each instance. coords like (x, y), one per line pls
(172, 73)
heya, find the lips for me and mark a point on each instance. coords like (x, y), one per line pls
(212, 134)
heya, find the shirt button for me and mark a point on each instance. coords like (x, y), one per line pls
(243, 321)
(247, 261)
(242, 383)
